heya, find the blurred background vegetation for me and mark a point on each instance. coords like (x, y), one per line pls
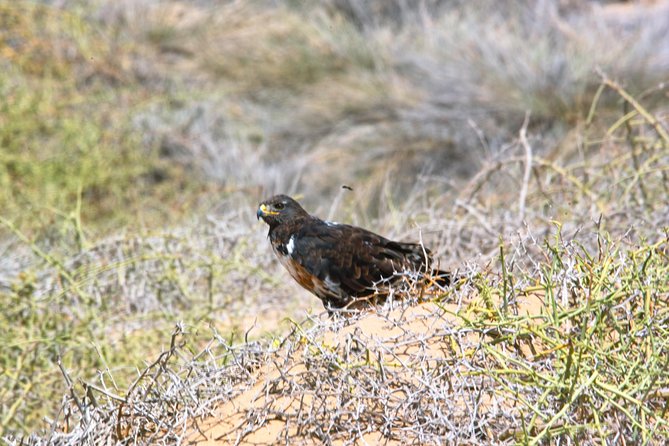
(137, 136)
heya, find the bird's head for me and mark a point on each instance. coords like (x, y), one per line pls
(280, 209)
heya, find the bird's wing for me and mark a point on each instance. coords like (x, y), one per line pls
(350, 259)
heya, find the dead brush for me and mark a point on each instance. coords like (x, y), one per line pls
(560, 335)
(587, 367)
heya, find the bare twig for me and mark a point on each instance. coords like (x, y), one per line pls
(528, 167)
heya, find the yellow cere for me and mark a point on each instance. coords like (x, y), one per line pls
(265, 210)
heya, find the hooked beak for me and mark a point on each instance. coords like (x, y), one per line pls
(264, 211)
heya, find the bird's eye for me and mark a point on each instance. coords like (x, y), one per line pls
(279, 206)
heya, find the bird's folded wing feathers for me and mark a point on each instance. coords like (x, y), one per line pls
(353, 258)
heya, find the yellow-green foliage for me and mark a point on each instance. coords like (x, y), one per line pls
(604, 342)
(65, 122)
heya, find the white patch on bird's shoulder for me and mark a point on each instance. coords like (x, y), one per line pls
(290, 247)
(331, 223)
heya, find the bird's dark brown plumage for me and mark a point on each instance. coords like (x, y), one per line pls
(341, 264)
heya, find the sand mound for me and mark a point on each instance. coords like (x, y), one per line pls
(411, 374)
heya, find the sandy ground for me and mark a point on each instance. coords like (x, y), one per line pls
(395, 336)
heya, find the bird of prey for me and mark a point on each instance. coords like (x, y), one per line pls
(345, 266)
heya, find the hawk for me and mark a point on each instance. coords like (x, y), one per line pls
(343, 265)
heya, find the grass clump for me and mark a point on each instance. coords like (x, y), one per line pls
(65, 132)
